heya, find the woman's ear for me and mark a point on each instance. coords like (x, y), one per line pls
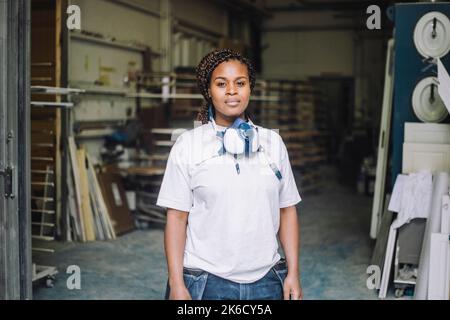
(209, 93)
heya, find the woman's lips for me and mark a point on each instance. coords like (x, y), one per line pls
(232, 102)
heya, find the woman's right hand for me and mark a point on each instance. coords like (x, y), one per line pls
(179, 293)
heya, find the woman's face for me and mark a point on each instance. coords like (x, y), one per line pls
(230, 91)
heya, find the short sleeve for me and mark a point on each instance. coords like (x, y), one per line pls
(288, 193)
(175, 191)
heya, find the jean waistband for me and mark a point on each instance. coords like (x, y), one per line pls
(193, 272)
(280, 265)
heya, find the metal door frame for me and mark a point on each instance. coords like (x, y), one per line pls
(15, 218)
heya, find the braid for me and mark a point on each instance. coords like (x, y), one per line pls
(207, 66)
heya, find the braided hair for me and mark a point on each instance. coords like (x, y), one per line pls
(205, 69)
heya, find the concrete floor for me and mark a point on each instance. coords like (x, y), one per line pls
(335, 252)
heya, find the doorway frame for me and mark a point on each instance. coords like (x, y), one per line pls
(15, 216)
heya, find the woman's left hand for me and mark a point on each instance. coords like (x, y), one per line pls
(292, 288)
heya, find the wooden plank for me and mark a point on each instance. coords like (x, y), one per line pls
(42, 113)
(84, 192)
(77, 188)
(42, 137)
(98, 200)
(47, 126)
(41, 152)
(115, 199)
(73, 220)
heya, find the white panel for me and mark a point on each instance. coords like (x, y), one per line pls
(445, 217)
(383, 144)
(420, 156)
(441, 183)
(388, 263)
(438, 284)
(416, 132)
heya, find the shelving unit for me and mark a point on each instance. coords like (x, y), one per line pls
(43, 180)
(110, 42)
(297, 112)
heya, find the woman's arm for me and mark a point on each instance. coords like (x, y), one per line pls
(174, 243)
(289, 238)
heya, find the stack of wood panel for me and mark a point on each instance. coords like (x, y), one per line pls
(97, 200)
(301, 120)
(185, 109)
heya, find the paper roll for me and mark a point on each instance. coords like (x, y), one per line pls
(440, 188)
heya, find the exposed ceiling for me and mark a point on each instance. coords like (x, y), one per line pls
(304, 15)
(322, 5)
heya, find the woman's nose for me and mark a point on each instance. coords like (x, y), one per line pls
(231, 89)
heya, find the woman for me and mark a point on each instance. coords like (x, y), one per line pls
(229, 190)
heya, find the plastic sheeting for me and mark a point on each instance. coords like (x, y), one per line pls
(440, 188)
(411, 197)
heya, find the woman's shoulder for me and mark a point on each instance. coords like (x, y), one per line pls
(186, 135)
(269, 134)
(185, 138)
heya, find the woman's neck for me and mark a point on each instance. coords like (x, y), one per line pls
(225, 121)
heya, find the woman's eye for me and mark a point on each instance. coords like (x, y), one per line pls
(221, 84)
(241, 83)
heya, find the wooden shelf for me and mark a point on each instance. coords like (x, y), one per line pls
(51, 104)
(105, 42)
(54, 90)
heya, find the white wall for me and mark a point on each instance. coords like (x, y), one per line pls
(198, 20)
(304, 44)
(205, 14)
(121, 22)
(88, 60)
(299, 55)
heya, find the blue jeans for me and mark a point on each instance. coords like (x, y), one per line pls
(206, 286)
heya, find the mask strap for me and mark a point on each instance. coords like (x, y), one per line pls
(211, 119)
(210, 113)
(272, 165)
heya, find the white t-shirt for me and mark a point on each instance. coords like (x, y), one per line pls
(233, 218)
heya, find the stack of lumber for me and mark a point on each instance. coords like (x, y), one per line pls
(147, 180)
(97, 205)
(301, 120)
(185, 109)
